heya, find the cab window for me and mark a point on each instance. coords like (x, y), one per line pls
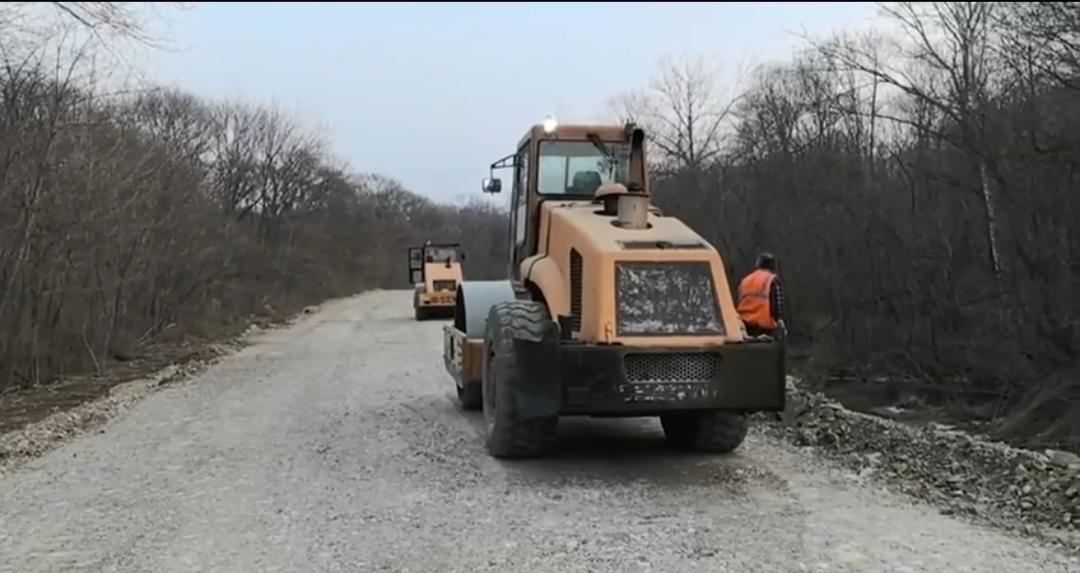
(580, 167)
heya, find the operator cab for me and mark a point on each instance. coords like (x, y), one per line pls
(574, 163)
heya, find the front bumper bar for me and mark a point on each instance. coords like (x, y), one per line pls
(437, 299)
(603, 380)
(596, 379)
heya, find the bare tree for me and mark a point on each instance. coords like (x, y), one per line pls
(1045, 36)
(107, 20)
(884, 174)
(952, 41)
(136, 219)
(684, 110)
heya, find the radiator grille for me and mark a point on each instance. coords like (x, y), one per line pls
(444, 285)
(575, 290)
(663, 299)
(671, 367)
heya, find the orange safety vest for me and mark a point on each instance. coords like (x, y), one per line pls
(754, 302)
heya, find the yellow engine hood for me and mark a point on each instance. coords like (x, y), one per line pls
(574, 232)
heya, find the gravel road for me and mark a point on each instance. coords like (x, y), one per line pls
(336, 445)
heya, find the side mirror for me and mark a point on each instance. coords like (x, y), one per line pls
(492, 185)
(462, 255)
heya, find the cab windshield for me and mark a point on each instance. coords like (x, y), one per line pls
(580, 167)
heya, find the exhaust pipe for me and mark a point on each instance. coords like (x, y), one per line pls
(630, 206)
(633, 210)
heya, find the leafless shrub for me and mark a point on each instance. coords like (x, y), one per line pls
(921, 196)
(131, 220)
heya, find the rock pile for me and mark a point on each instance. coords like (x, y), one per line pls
(1035, 492)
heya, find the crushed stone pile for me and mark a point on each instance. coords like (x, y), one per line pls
(1034, 492)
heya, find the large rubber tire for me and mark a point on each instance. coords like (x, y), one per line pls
(420, 312)
(706, 431)
(506, 436)
(442, 312)
(471, 397)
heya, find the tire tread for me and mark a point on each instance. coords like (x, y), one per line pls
(519, 438)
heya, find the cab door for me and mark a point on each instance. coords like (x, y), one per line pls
(519, 212)
(416, 265)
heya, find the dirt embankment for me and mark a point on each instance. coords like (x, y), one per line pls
(35, 419)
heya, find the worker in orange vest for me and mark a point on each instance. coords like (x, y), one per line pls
(761, 299)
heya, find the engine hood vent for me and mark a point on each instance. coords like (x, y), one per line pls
(660, 244)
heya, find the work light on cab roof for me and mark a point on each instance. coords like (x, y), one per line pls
(550, 124)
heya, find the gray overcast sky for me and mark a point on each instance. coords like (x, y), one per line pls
(432, 93)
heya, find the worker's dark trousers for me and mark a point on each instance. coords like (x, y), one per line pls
(755, 330)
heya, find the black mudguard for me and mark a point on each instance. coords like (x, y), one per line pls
(539, 393)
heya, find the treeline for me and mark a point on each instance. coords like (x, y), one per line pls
(922, 196)
(127, 220)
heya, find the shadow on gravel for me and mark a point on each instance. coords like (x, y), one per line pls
(614, 452)
(592, 454)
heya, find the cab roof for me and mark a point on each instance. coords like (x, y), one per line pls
(579, 132)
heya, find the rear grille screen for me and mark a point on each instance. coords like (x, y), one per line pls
(444, 285)
(661, 299)
(667, 367)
